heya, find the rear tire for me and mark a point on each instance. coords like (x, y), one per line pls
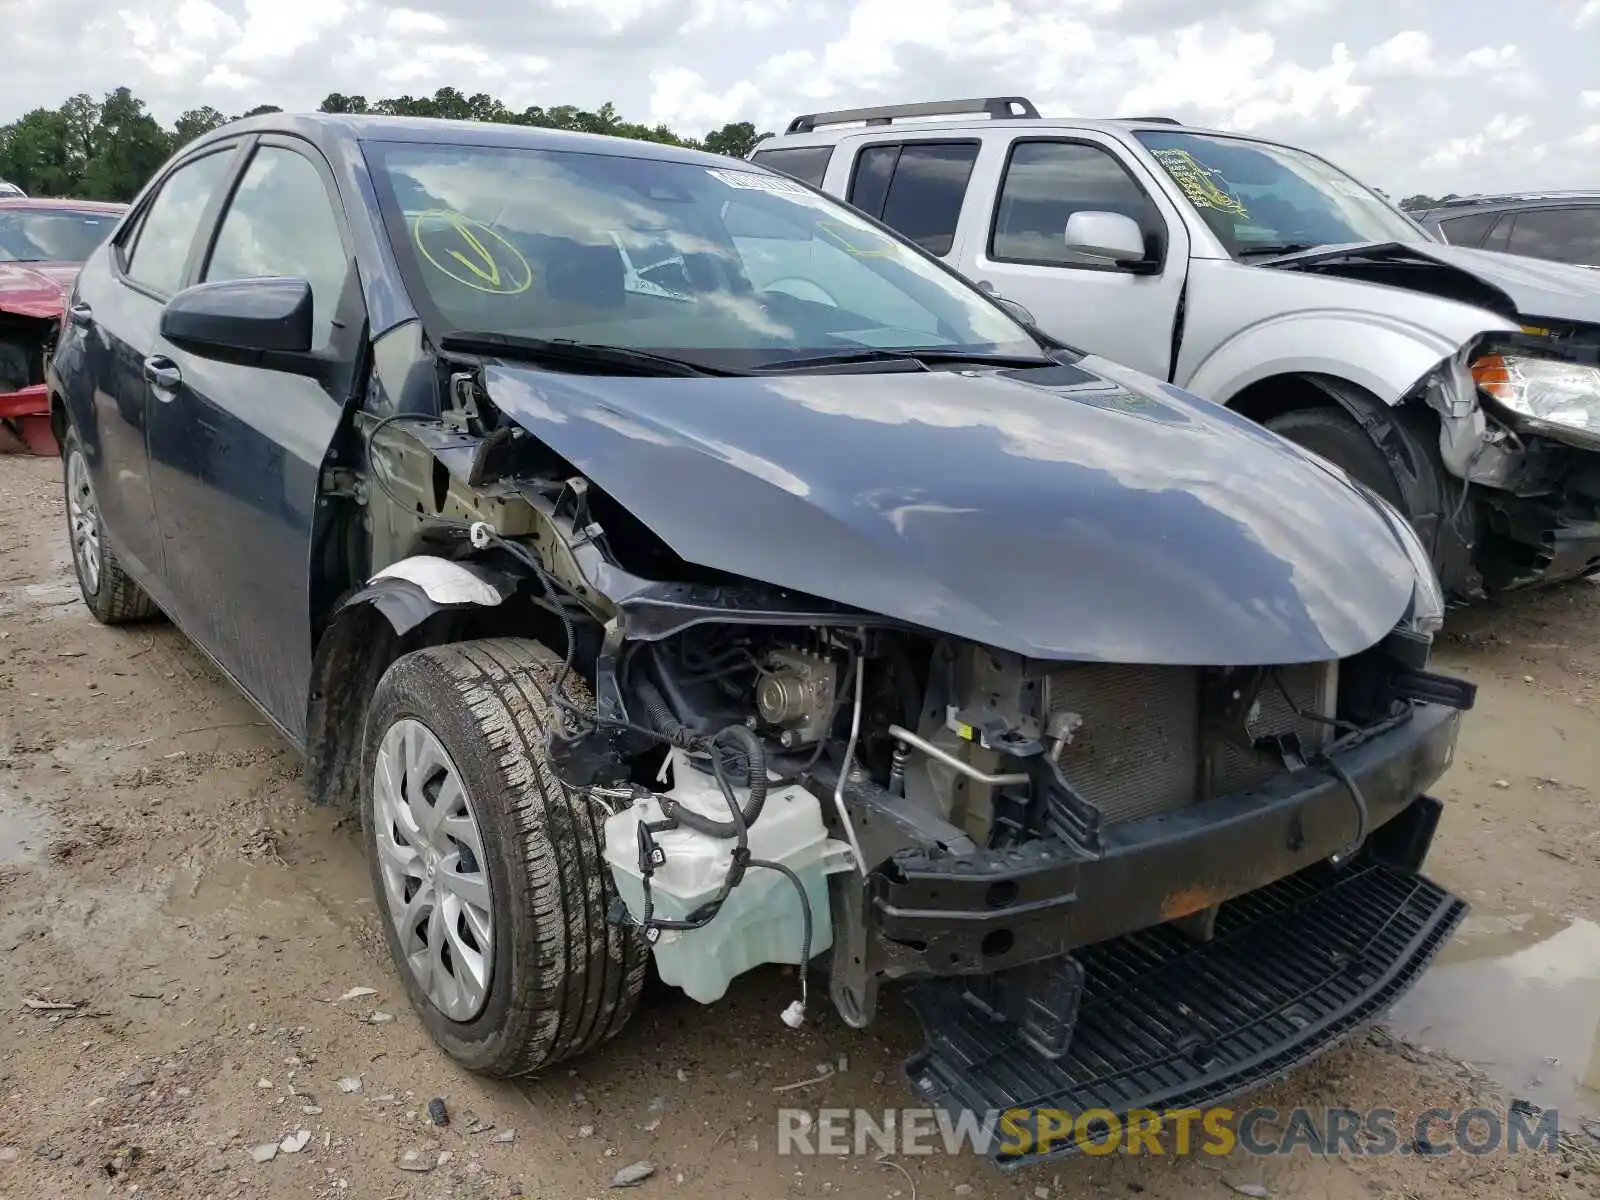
(557, 979)
(109, 591)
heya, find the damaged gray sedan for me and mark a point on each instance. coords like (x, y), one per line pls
(655, 604)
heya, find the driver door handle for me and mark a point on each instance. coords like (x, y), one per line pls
(163, 375)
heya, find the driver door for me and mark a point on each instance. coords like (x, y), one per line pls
(238, 452)
(1018, 247)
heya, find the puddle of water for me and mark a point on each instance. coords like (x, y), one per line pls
(24, 830)
(1519, 997)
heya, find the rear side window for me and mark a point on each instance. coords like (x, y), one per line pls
(170, 223)
(805, 163)
(1569, 235)
(1045, 183)
(1468, 231)
(915, 188)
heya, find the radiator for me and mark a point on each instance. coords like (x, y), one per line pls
(1143, 747)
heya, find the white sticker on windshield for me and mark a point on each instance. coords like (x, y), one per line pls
(751, 182)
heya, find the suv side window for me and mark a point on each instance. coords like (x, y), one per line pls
(166, 231)
(915, 188)
(805, 163)
(1569, 235)
(281, 221)
(1045, 183)
(1469, 230)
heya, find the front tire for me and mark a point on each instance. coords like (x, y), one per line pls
(108, 591)
(489, 876)
(1332, 434)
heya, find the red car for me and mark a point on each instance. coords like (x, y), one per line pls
(42, 245)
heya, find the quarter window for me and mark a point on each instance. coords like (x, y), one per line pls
(1045, 183)
(915, 188)
(281, 222)
(170, 222)
(805, 163)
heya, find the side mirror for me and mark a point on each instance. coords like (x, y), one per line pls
(249, 322)
(1106, 235)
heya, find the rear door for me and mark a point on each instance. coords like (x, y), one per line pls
(916, 186)
(1030, 184)
(119, 301)
(238, 451)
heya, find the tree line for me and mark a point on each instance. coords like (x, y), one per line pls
(108, 149)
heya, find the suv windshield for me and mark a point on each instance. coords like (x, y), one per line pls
(1264, 199)
(726, 266)
(52, 234)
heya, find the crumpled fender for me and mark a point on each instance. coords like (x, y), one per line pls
(1247, 324)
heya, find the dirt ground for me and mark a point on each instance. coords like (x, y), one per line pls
(162, 875)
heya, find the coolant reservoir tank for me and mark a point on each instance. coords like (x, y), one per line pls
(761, 920)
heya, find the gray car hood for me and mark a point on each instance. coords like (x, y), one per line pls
(1532, 287)
(1082, 512)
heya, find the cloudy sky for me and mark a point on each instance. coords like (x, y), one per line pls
(1411, 95)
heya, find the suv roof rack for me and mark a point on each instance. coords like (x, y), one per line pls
(998, 108)
(1152, 120)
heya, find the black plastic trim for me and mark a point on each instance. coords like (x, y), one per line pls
(1165, 1023)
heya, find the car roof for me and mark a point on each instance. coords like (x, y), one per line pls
(321, 128)
(97, 206)
(1506, 202)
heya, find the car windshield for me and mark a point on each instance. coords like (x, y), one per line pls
(719, 265)
(52, 234)
(1263, 199)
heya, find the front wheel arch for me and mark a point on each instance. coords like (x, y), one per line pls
(371, 628)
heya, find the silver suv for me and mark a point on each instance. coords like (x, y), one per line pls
(1461, 385)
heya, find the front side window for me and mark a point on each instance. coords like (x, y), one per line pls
(1570, 235)
(1045, 183)
(1264, 199)
(281, 222)
(167, 232)
(53, 234)
(727, 266)
(915, 188)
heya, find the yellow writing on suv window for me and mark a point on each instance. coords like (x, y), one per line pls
(1198, 182)
(470, 252)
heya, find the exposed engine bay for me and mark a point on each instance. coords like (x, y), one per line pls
(790, 779)
(25, 346)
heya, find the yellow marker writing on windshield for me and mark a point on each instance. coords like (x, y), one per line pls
(862, 243)
(470, 253)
